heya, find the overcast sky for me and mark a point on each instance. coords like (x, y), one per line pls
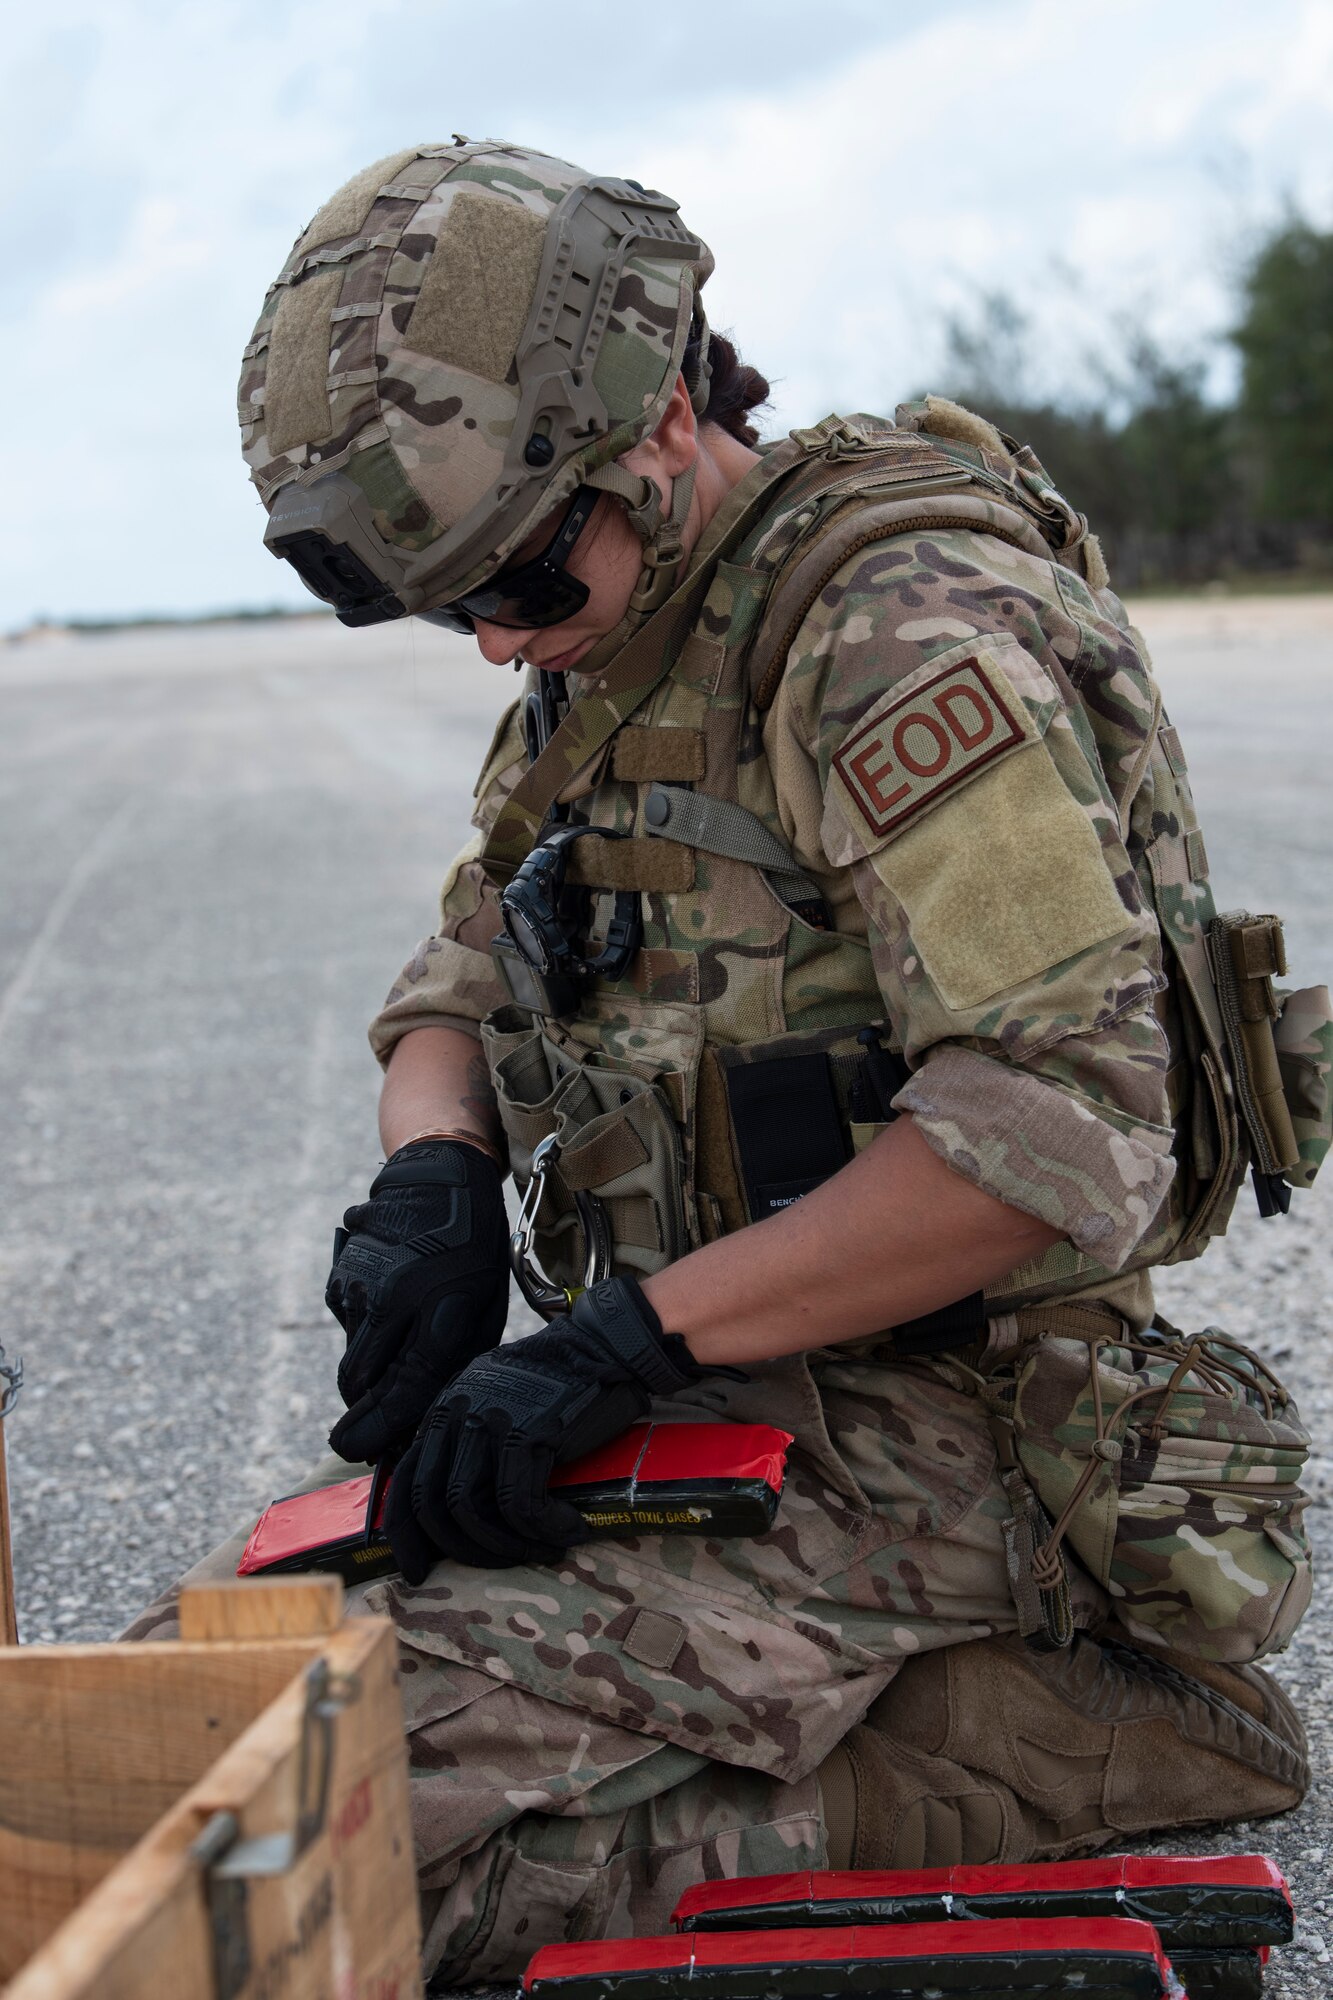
(860, 167)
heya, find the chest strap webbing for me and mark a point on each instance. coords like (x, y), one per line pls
(719, 827)
(694, 823)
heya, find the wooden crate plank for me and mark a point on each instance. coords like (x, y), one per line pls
(43, 1880)
(143, 1932)
(83, 1718)
(364, 1650)
(99, 1743)
(262, 1607)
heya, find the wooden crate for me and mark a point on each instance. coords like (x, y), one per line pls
(222, 1817)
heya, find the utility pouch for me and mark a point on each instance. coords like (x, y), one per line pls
(1170, 1463)
(789, 1136)
(1303, 1037)
(618, 1141)
(777, 1118)
(1211, 1149)
(1246, 954)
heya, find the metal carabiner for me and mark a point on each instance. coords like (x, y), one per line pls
(545, 1297)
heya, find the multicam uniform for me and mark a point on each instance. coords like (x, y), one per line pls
(961, 745)
(888, 767)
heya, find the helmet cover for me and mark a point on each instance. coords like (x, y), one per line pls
(458, 339)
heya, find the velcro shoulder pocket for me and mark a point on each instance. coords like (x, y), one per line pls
(967, 790)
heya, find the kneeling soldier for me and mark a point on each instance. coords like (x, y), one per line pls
(834, 966)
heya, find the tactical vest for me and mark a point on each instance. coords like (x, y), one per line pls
(745, 1057)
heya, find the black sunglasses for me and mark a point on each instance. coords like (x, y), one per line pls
(540, 591)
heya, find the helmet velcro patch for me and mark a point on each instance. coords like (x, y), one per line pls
(296, 407)
(477, 292)
(344, 212)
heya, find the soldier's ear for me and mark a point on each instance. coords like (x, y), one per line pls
(673, 446)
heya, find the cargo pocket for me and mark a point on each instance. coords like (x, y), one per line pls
(531, 1904)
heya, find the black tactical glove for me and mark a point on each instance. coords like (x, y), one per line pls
(420, 1282)
(473, 1484)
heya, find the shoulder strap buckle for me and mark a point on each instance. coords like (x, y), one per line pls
(832, 437)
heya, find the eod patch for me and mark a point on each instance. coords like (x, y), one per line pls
(928, 740)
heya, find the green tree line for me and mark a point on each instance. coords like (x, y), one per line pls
(1183, 488)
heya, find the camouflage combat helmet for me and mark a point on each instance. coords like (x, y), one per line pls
(464, 336)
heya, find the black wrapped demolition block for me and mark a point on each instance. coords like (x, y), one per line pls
(680, 1479)
(1000, 1959)
(1217, 1915)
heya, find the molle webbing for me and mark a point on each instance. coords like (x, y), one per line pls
(598, 863)
(645, 756)
(616, 1150)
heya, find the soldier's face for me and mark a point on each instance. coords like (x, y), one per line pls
(607, 558)
(608, 555)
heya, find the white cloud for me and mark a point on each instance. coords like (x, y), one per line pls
(857, 170)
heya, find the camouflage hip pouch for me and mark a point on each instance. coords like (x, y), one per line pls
(1170, 1464)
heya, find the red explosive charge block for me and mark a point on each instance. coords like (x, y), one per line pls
(1103, 1959)
(655, 1479)
(1216, 1915)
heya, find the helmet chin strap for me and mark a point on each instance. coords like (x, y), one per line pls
(661, 532)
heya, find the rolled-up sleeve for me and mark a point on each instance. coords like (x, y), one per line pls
(1090, 1169)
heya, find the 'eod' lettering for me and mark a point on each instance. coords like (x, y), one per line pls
(925, 744)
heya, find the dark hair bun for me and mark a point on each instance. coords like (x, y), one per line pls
(734, 389)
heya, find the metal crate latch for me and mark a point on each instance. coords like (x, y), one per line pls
(230, 1863)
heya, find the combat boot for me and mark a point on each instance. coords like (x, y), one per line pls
(988, 1751)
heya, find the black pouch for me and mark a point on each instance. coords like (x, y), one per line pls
(788, 1133)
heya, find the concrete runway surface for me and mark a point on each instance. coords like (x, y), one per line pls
(219, 845)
